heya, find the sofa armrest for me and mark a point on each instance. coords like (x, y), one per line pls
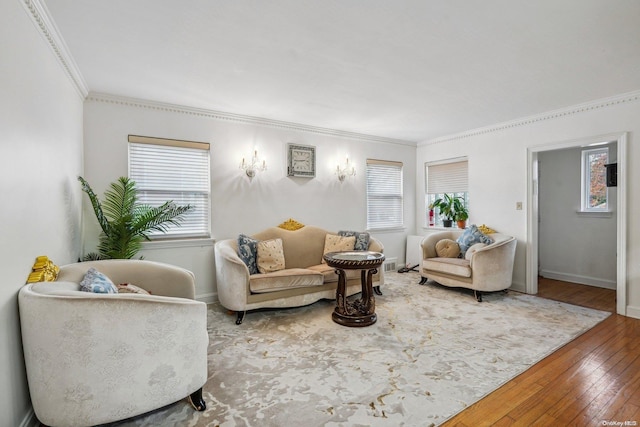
(375, 245)
(83, 347)
(429, 243)
(493, 265)
(232, 277)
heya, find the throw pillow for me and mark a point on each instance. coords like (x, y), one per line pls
(472, 250)
(270, 256)
(248, 252)
(128, 288)
(94, 281)
(447, 248)
(335, 243)
(362, 239)
(470, 237)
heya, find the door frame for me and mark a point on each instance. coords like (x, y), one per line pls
(531, 285)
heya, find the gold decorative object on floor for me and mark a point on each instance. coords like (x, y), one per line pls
(43, 270)
(291, 225)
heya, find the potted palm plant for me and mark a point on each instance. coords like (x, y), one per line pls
(125, 222)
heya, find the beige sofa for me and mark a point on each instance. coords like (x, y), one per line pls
(304, 280)
(484, 268)
(97, 358)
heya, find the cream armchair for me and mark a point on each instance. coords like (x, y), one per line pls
(487, 269)
(97, 358)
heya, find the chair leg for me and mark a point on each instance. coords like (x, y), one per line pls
(240, 317)
(197, 401)
(478, 295)
(423, 280)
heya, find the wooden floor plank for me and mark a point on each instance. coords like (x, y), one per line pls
(592, 379)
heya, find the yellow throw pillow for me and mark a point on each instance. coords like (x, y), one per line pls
(270, 256)
(335, 243)
(447, 248)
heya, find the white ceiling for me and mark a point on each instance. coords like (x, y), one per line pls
(405, 69)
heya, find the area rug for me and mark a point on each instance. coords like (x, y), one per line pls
(433, 352)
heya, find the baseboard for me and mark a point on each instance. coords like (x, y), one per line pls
(30, 420)
(208, 298)
(583, 280)
(633, 312)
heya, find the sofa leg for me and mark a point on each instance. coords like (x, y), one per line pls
(377, 290)
(478, 295)
(240, 317)
(423, 280)
(197, 401)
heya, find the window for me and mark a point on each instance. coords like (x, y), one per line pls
(448, 177)
(167, 169)
(384, 195)
(594, 180)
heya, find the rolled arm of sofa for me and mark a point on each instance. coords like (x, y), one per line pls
(232, 277)
(429, 243)
(493, 265)
(80, 348)
(375, 245)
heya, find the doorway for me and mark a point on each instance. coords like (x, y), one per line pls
(533, 211)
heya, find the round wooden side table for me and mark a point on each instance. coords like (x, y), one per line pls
(360, 312)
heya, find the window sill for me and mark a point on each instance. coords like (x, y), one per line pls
(178, 243)
(595, 214)
(440, 228)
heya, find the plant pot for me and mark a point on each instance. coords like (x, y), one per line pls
(462, 224)
(447, 222)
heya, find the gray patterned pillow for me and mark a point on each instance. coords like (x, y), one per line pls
(96, 282)
(248, 252)
(362, 239)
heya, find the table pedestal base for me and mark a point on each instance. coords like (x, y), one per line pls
(360, 312)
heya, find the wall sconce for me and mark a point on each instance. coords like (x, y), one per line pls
(345, 170)
(251, 168)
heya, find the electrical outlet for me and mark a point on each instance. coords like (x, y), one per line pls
(518, 206)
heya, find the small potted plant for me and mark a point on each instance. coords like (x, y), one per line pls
(446, 207)
(461, 214)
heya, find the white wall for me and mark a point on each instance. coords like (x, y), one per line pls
(498, 172)
(41, 152)
(238, 204)
(574, 247)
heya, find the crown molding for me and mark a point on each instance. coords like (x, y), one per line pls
(42, 19)
(238, 118)
(549, 115)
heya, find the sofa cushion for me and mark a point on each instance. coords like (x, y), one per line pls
(94, 281)
(330, 275)
(128, 288)
(454, 266)
(248, 252)
(285, 279)
(362, 239)
(470, 237)
(447, 248)
(270, 256)
(335, 243)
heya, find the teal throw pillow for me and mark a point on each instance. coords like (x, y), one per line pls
(248, 252)
(96, 282)
(470, 237)
(362, 239)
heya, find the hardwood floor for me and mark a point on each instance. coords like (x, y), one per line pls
(593, 380)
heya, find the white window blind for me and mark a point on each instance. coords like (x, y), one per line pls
(447, 178)
(384, 194)
(167, 169)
